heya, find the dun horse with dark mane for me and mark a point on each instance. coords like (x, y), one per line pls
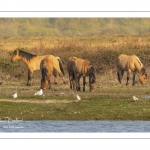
(47, 66)
(32, 61)
(77, 68)
(130, 64)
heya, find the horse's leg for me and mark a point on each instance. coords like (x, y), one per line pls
(77, 80)
(73, 80)
(134, 72)
(84, 82)
(74, 84)
(128, 76)
(55, 76)
(78, 83)
(120, 74)
(70, 79)
(49, 82)
(30, 75)
(61, 75)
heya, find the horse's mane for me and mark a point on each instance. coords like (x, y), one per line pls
(25, 55)
(137, 58)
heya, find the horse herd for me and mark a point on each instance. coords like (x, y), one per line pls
(50, 65)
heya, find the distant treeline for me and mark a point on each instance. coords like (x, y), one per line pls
(72, 26)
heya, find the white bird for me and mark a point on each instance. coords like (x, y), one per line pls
(78, 97)
(14, 95)
(40, 92)
(135, 98)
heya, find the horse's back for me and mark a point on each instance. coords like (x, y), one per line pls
(81, 66)
(53, 59)
(122, 61)
(35, 62)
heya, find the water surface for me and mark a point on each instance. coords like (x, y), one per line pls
(74, 126)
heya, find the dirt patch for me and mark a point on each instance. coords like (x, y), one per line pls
(39, 101)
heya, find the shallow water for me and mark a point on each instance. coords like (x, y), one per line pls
(74, 126)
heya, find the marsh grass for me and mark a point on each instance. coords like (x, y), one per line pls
(94, 108)
(109, 101)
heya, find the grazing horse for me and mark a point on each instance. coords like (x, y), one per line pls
(130, 64)
(77, 68)
(32, 61)
(47, 66)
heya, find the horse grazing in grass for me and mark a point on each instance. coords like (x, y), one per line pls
(47, 66)
(32, 61)
(130, 64)
(77, 68)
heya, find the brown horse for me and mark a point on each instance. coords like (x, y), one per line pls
(32, 61)
(77, 68)
(130, 64)
(47, 66)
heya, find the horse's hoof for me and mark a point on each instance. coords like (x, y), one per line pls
(78, 89)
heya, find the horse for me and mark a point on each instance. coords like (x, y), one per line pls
(47, 65)
(130, 63)
(32, 62)
(78, 68)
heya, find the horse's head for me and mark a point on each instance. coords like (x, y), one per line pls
(44, 84)
(92, 78)
(15, 56)
(143, 76)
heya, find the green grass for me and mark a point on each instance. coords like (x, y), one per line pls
(96, 108)
(106, 103)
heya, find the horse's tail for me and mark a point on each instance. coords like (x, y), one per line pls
(43, 70)
(92, 76)
(73, 69)
(118, 76)
(44, 74)
(73, 74)
(60, 65)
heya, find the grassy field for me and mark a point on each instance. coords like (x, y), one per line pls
(109, 101)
